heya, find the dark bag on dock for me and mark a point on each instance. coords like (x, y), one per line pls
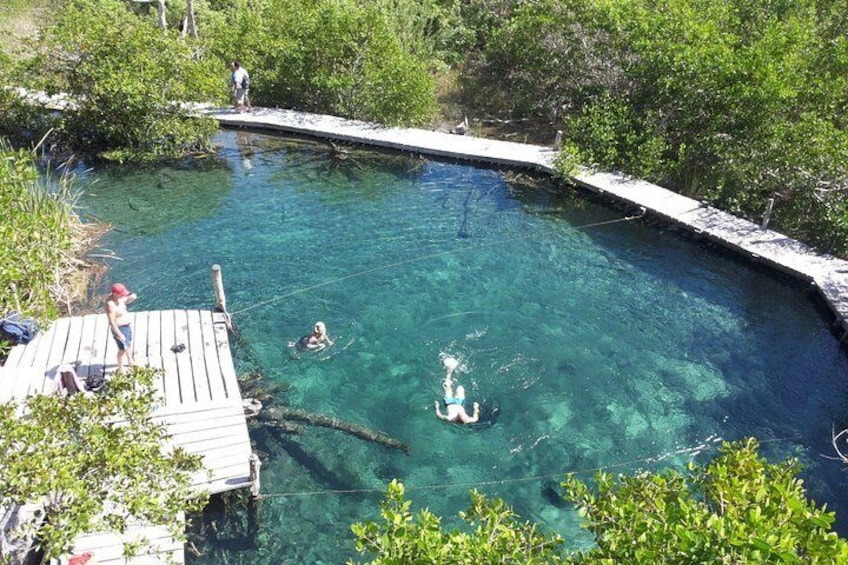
(18, 330)
(94, 382)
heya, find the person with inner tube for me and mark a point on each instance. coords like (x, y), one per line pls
(316, 341)
(455, 400)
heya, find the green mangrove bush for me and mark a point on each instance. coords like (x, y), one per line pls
(731, 101)
(93, 462)
(42, 236)
(738, 508)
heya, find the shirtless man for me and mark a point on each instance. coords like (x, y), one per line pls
(454, 402)
(119, 321)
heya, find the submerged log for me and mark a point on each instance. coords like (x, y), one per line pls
(281, 413)
(283, 426)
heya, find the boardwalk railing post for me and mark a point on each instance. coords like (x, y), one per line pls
(220, 297)
(767, 215)
(255, 465)
(218, 286)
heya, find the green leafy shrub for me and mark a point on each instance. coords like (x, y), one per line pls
(127, 78)
(731, 101)
(334, 57)
(41, 236)
(496, 536)
(94, 462)
(736, 509)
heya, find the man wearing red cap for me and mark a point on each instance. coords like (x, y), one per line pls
(119, 321)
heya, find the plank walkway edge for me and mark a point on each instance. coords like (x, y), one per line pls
(828, 274)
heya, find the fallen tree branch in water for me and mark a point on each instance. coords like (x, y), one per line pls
(278, 415)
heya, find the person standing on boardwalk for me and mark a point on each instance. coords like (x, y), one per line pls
(240, 86)
(119, 322)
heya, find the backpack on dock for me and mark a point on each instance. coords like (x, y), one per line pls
(17, 330)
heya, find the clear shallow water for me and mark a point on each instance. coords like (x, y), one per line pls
(620, 346)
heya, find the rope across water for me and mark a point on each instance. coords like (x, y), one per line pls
(710, 445)
(415, 260)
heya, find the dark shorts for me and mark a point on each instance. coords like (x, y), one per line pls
(127, 331)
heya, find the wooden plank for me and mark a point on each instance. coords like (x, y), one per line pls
(15, 355)
(222, 342)
(210, 356)
(198, 412)
(173, 396)
(26, 375)
(154, 349)
(159, 379)
(39, 382)
(105, 346)
(223, 455)
(60, 329)
(28, 357)
(54, 343)
(217, 424)
(33, 363)
(184, 369)
(141, 356)
(107, 547)
(72, 345)
(208, 439)
(8, 378)
(210, 418)
(86, 351)
(139, 326)
(218, 466)
(196, 356)
(226, 485)
(169, 363)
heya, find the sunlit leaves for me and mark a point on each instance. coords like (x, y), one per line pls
(737, 509)
(37, 229)
(493, 534)
(94, 461)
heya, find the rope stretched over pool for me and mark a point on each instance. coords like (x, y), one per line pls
(420, 258)
(692, 451)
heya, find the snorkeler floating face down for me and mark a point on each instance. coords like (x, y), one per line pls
(454, 400)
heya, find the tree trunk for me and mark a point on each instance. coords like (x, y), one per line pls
(160, 10)
(280, 414)
(190, 24)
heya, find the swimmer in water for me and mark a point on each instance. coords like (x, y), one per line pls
(454, 400)
(316, 341)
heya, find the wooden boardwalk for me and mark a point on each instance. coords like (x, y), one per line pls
(201, 403)
(828, 274)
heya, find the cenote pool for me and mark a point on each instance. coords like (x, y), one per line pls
(620, 346)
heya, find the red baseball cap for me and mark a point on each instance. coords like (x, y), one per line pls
(119, 290)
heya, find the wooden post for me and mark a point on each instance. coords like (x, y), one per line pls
(255, 465)
(767, 215)
(218, 285)
(558, 139)
(220, 297)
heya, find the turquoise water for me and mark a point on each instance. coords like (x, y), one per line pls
(619, 346)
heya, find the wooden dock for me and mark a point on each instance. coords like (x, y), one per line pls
(828, 274)
(202, 405)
